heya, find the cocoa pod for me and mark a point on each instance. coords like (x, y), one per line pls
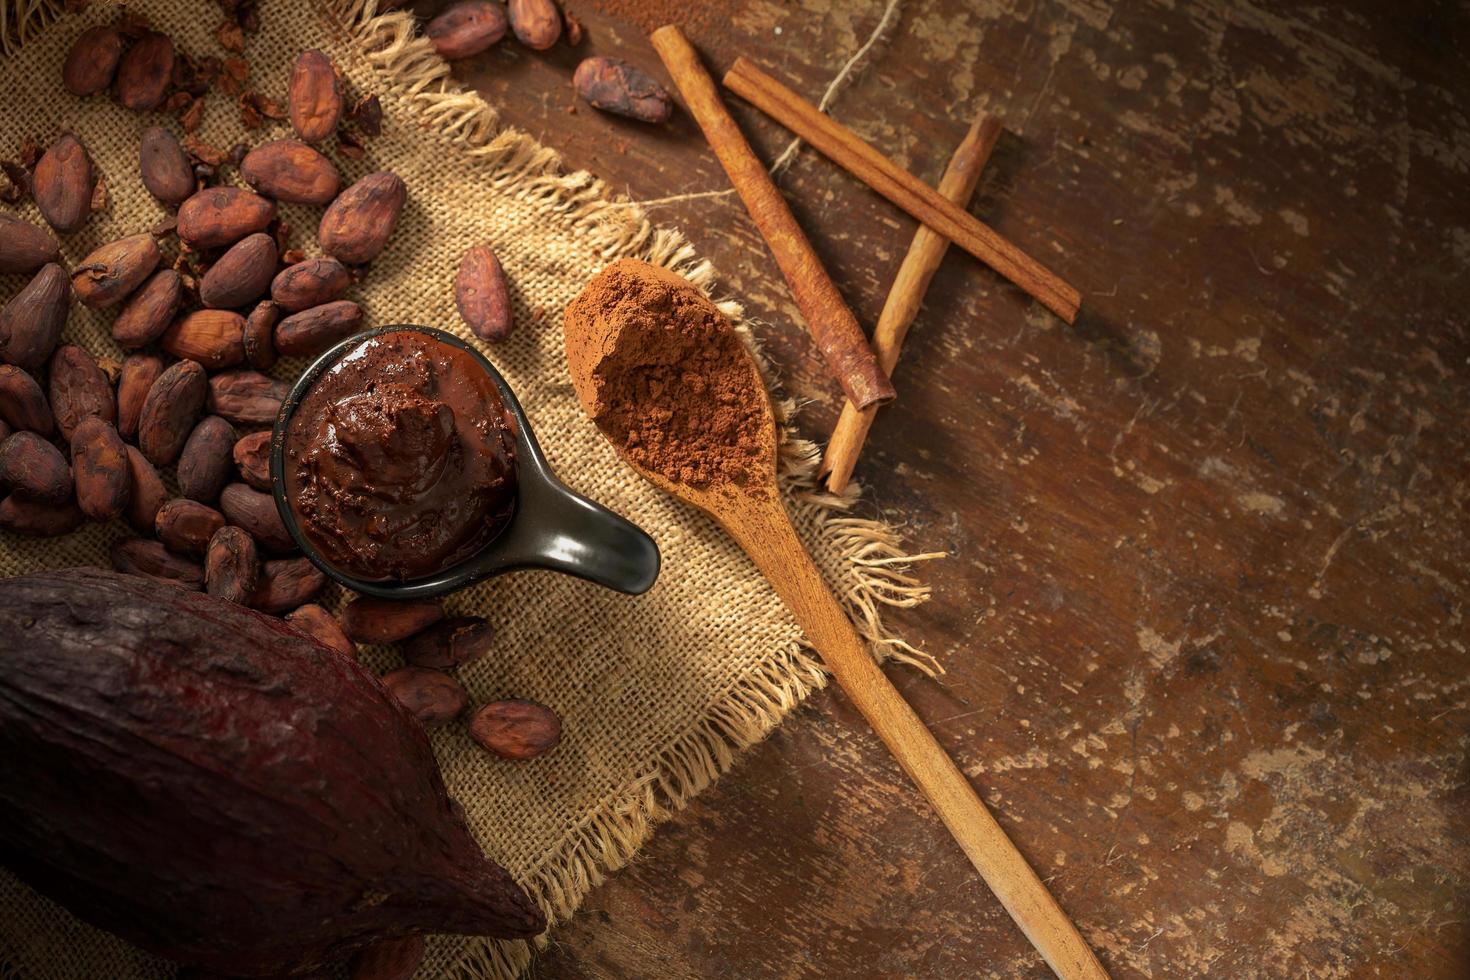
(613, 85)
(146, 491)
(253, 459)
(309, 283)
(139, 372)
(466, 29)
(482, 295)
(286, 583)
(109, 274)
(31, 323)
(369, 620)
(291, 171)
(145, 71)
(34, 469)
(431, 696)
(78, 389)
(314, 97)
(165, 167)
(231, 565)
(389, 959)
(219, 216)
(259, 335)
(515, 729)
(214, 338)
(323, 627)
(39, 519)
(23, 405)
(313, 331)
(537, 23)
(246, 397)
(99, 460)
(169, 411)
(256, 513)
(92, 60)
(205, 463)
(186, 526)
(62, 184)
(450, 643)
(357, 225)
(25, 247)
(150, 310)
(150, 559)
(242, 274)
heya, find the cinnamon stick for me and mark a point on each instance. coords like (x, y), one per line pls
(906, 294)
(846, 149)
(832, 325)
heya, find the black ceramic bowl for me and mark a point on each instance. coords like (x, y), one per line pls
(552, 527)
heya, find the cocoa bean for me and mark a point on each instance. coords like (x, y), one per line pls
(146, 492)
(144, 73)
(78, 389)
(357, 225)
(242, 274)
(431, 696)
(369, 620)
(291, 171)
(23, 405)
(151, 559)
(5, 430)
(38, 518)
(253, 459)
(450, 643)
(574, 29)
(62, 184)
(186, 526)
(246, 397)
(515, 729)
(214, 338)
(260, 328)
(256, 512)
(169, 411)
(231, 565)
(323, 627)
(482, 295)
(314, 97)
(537, 23)
(25, 247)
(205, 463)
(31, 323)
(466, 29)
(389, 959)
(99, 461)
(108, 275)
(313, 331)
(92, 60)
(34, 469)
(285, 584)
(165, 167)
(309, 283)
(139, 372)
(219, 216)
(613, 85)
(150, 310)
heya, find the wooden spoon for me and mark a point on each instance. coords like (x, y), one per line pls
(756, 518)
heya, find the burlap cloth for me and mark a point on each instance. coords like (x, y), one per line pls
(657, 693)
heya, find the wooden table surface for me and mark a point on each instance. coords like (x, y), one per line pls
(1203, 622)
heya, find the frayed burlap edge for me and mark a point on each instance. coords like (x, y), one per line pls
(872, 570)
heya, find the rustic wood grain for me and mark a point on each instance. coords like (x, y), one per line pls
(1204, 619)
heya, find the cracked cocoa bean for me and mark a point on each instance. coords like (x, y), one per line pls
(78, 389)
(252, 455)
(231, 565)
(615, 86)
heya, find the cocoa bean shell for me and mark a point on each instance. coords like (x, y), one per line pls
(515, 729)
(165, 167)
(99, 460)
(259, 335)
(92, 61)
(431, 696)
(169, 411)
(286, 583)
(23, 404)
(357, 225)
(78, 389)
(34, 469)
(151, 559)
(483, 296)
(150, 310)
(145, 70)
(291, 171)
(139, 372)
(246, 397)
(256, 512)
(450, 643)
(369, 620)
(311, 282)
(389, 959)
(232, 565)
(537, 23)
(62, 184)
(323, 627)
(32, 321)
(146, 491)
(242, 274)
(206, 464)
(314, 97)
(219, 216)
(463, 30)
(39, 519)
(186, 526)
(313, 331)
(25, 247)
(615, 86)
(107, 276)
(214, 338)
(252, 456)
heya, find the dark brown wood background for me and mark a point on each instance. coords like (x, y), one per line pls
(1204, 616)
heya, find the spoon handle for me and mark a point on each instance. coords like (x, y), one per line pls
(766, 534)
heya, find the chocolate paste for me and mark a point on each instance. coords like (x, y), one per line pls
(400, 460)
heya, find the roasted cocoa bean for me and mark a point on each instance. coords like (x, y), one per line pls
(285, 584)
(34, 469)
(165, 167)
(357, 225)
(39, 519)
(218, 216)
(312, 282)
(431, 696)
(313, 331)
(246, 397)
(256, 512)
(99, 460)
(369, 620)
(314, 97)
(231, 565)
(450, 643)
(25, 247)
(323, 627)
(92, 61)
(107, 276)
(515, 729)
(139, 372)
(259, 335)
(144, 73)
(615, 86)
(169, 411)
(214, 338)
(78, 389)
(537, 23)
(23, 405)
(253, 459)
(466, 29)
(151, 559)
(291, 171)
(150, 310)
(242, 274)
(186, 526)
(31, 323)
(482, 295)
(62, 184)
(389, 959)
(205, 463)
(146, 492)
